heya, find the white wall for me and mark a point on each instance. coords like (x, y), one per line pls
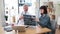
(57, 8)
(11, 12)
(2, 20)
(55, 2)
(41, 2)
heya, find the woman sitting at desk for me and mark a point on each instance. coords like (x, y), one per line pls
(44, 20)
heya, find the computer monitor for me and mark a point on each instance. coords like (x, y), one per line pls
(29, 20)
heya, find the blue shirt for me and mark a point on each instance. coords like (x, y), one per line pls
(45, 21)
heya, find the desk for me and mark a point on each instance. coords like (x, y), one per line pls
(44, 30)
(34, 31)
(28, 31)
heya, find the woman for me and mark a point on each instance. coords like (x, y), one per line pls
(44, 20)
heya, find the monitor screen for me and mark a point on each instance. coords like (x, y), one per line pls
(29, 20)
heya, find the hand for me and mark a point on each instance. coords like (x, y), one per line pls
(21, 17)
(39, 26)
(37, 20)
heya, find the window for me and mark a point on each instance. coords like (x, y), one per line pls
(14, 8)
(31, 5)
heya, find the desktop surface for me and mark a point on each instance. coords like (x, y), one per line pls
(28, 31)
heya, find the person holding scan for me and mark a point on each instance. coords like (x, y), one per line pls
(26, 18)
(25, 11)
(21, 16)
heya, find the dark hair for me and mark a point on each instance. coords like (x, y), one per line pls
(44, 8)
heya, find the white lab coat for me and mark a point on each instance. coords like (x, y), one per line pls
(21, 22)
